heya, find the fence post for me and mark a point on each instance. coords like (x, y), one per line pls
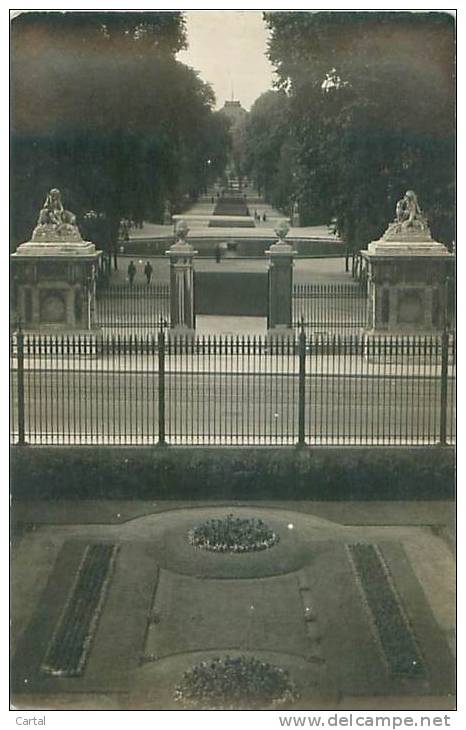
(20, 361)
(161, 358)
(448, 309)
(444, 388)
(301, 386)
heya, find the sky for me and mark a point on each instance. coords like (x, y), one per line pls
(228, 48)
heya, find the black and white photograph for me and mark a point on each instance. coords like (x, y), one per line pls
(232, 364)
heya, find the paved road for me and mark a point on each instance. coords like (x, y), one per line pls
(232, 408)
(329, 270)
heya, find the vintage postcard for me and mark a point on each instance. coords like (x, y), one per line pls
(233, 363)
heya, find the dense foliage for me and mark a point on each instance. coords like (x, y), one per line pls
(103, 111)
(266, 141)
(368, 114)
(235, 682)
(106, 472)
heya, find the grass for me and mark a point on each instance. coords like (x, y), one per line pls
(220, 614)
(121, 632)
(176, 606)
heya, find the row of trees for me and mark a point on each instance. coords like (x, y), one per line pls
(102, 110)
(363, 112)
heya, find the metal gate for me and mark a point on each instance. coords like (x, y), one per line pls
(231, 293)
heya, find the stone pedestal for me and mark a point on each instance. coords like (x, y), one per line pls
(407, 276)
(407, 287)
(55, 285)
(280, 286)
(181, 256)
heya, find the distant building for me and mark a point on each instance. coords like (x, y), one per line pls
(234, 111)
(236, 114)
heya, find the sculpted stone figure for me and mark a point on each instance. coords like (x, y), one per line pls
(281, 230)
(55, 223)
(410, 223)
(181, 231)
(408, 210)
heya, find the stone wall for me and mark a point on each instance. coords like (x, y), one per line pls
(237, 248)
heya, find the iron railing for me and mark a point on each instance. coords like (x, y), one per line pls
(330, 308)
(232, 390)
(140, 308)
(323, 308)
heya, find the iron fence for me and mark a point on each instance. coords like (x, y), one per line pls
(232, 390)
(322, 308)
(330, 308)
(138, 308)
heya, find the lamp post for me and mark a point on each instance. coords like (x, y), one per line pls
(208, 164)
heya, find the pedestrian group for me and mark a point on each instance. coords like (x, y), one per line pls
(132, 271)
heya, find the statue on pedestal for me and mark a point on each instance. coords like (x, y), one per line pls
(55, 223)
(56, 271)
(407, 274)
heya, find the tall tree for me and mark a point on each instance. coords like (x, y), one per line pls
(102, 110)
(372, 112)
(264, 134)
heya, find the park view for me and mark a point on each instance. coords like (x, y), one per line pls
(233, 360)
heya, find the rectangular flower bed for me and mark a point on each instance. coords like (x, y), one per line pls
(390, 622)
(71, 641)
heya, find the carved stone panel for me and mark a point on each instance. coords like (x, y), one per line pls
(52, 307)
(410, 306)
(27, 272)
(57, 270)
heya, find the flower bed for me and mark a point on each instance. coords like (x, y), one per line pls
(393, 628)
(69, 647)
(235, 682)
(233, 535)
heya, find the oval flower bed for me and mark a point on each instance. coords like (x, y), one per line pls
(233, 535)
(233, 682)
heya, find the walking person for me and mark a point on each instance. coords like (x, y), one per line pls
(148, 272)
(218, 253)
(131, 272)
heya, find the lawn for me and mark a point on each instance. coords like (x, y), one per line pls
(305, 604)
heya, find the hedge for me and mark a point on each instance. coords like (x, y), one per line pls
(320, 473)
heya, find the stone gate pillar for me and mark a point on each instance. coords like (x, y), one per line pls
(280, 287)
(181, 255)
